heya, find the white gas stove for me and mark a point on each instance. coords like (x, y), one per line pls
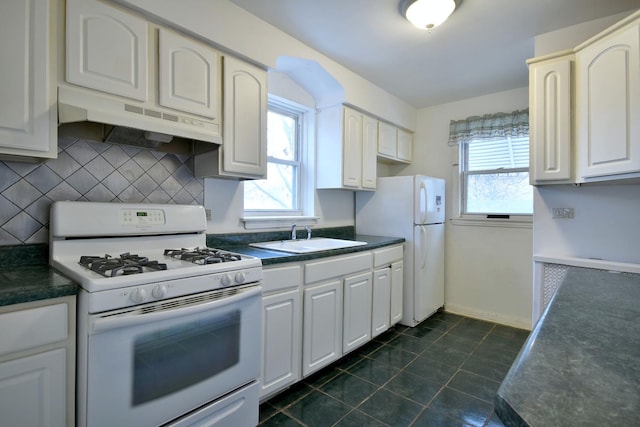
(168, 329)
(125, 254)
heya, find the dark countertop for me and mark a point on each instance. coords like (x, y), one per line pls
(275, 257)
(580, 365)
(25, 276)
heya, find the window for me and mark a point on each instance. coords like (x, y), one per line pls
(493, 167)
(495, 177)
(280, 193)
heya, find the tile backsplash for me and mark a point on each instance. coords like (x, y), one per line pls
(91, 171)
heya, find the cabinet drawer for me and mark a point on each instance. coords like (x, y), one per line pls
(280, 278)
(337, 266)
(386, 256)
(33, 327)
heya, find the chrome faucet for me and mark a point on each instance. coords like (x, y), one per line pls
(306, 227)
(293, 232)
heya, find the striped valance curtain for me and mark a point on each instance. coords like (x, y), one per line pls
(489, 127)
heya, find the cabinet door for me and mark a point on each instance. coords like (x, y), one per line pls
(387, 140)
(608, 105)
(380, 316)
(405, 146)
(550, 117)
(244, 151)
(352, 149)
(28, 117)
(357, 311)
(281, 341)
(32, 390)
(322, 329)
(107, 49)
(397, 283)
(369, 147)
(188, 75)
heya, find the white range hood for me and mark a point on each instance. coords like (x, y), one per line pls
(77, 104)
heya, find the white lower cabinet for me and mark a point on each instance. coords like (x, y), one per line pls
(337, 299)
(356, 316)
(387, 288)
(281, 328)
(315, 312)
(322, 333)
(397, 284)
(30, 390)
(381, 307)
(37, 363)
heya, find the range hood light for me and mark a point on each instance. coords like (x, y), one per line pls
(158, 137)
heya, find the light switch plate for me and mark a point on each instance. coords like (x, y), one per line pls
(562, 213)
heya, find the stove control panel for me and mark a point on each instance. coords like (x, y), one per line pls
(138, 217)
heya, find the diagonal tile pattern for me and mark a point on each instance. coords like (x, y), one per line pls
(443, 372)
(92, 171)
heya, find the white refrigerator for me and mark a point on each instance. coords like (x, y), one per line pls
(411, 207)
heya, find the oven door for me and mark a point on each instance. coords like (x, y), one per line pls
(153, 363)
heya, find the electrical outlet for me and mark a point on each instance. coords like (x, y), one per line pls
(562, 212)
(207, 212)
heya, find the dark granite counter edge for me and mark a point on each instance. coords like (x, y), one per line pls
(240, 243)
(25, 275)
(43, 293)
(581, 363)
(28, 277)
(275, 257)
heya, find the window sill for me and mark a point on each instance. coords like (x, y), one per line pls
(264, 222)
(526, 222)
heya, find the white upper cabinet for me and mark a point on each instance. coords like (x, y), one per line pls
(395, 145)
(122, 69)
(369, 146)
(584, 105)
(245, 119)
(387, 140)
(107, 49)
(405, 146)
(550, 127)
(608, 104)
(188, 75)
(244, 152)
(346, 149)
(352, 149)
(28, 114)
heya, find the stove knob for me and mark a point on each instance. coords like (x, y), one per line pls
(239, 277)
(159, 291)
(225, 280)
(138, 295)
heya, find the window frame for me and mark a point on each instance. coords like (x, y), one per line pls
(461, 216)
(303, 213)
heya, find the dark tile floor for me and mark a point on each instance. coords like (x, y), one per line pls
(443, 372)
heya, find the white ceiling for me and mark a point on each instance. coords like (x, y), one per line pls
(480, 49)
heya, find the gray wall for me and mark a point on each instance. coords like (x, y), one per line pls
(91, 171)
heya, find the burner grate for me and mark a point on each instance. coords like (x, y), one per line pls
(125, 264)
(202, 256)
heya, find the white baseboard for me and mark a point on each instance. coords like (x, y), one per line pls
(516, 322)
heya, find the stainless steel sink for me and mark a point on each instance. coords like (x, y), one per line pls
(316, 244)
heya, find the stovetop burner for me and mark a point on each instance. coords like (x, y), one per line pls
(202, 255)
(126, 264)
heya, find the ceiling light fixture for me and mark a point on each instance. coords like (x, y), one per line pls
(427, 14)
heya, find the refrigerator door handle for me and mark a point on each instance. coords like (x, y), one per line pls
(423, 247)
(421, 207)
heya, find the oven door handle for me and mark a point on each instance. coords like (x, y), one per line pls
(103, 324)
